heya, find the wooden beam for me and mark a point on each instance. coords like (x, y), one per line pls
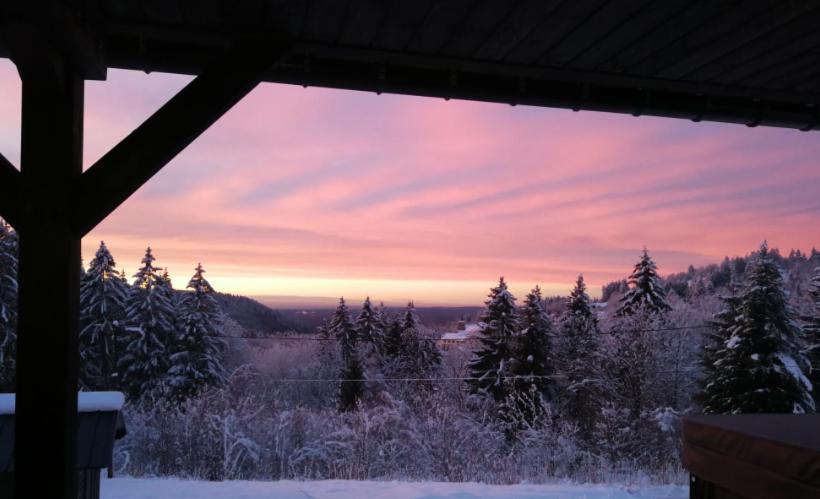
(9, 191)
(49, 279)
(132, 162)
(66, 28)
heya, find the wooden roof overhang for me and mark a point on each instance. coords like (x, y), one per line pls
(752, 62)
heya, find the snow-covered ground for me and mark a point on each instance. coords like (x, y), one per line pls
(140, 488)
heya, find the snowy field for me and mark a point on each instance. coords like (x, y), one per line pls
(138, 488)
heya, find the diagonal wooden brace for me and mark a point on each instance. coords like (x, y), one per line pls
(140, 155)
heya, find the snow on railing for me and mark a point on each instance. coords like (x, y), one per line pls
(86, 402)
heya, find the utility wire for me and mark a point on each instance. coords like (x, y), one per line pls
(444, 378)
(317, 338)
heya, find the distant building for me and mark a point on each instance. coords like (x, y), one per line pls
(464, 337)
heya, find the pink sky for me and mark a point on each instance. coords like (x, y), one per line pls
(315, 192)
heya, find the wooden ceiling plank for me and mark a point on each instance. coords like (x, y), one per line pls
(773, 43)
(285, 17)
(810, 83)
(201, 13)
(402, 23)
(525, 17)
(123, 10)
(442, 22)
(246, 15)
(163, 11)
(483, 19)
(661, 36)
(758, 28)
(786, 74)
(558, 24)
(733, 74)
(699, 38)
(593, 31)
(324, 27)
(633, 30)
(364, 17)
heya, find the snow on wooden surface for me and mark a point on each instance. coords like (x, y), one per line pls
(138, 488)
(86, 402)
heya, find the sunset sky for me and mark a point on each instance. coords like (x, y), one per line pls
(322, 193)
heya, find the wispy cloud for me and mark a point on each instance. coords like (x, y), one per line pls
(310, 192)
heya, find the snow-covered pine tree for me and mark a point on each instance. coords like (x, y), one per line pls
(382, 318)
(351, 388)
(343, 330)
(579, 362)
(490, 365)
(102, 322)
(762, 367)
(8, 306)
(393, 345)
(165, 287)
(715, 394)
(369, 329)
(637, 370)
(532, 366)
(420, 355)
(646, 292)
(194, 359)
(812, 332)
(149, 314)
(533, 349)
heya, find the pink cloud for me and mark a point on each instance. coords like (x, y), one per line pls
(321, 184)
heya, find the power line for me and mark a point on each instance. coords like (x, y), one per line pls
(317, 338)
(465, 378)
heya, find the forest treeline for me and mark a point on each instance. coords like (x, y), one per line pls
(555, 388)
(139, 337)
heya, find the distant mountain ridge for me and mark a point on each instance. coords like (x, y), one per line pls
(255, 318)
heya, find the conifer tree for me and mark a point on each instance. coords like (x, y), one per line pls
(368, 328)
(646, 292)
(715, 393)
(102, 321)
(194, 359)
(636, 366)
(761, 367)
(8, 307)
(393, 345)
(150, 315)
(534, 355)
(420, 356)
(812, 332)
(490, 365)
(579, 361)
(531, 366)
(351, 388)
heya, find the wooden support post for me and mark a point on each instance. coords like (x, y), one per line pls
(49, 274)
(9, 191)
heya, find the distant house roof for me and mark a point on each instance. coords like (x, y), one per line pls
(469, 331)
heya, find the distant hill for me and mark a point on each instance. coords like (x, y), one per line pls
(432, 317)
(720, 279)
(255, 318)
